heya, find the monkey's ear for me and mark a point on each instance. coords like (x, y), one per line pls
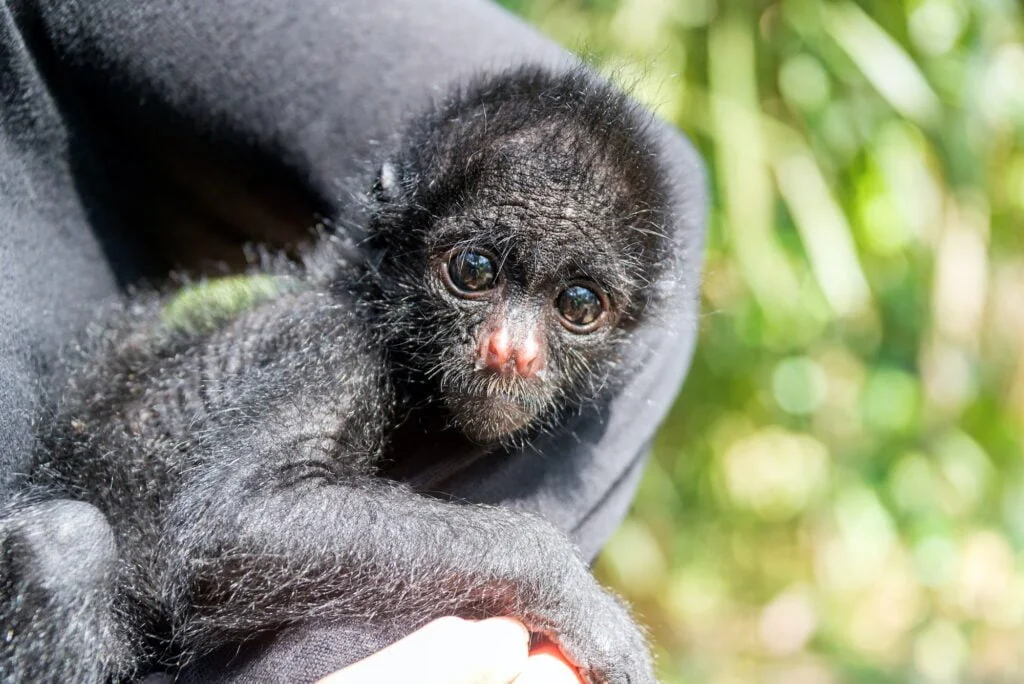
(386, 187)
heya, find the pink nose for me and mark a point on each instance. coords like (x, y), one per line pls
(497, 351)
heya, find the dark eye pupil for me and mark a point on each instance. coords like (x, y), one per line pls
(579, 305)
(471, 271)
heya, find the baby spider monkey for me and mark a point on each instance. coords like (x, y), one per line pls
(211, 473)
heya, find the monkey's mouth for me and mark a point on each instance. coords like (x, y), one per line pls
(488, 407)
(490, 412)
(489, 419)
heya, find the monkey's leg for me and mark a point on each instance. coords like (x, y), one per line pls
(253, 554)
(57, 570)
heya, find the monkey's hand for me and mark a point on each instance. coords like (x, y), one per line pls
(592, 627)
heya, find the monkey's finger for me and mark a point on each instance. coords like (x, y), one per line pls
(449, 650)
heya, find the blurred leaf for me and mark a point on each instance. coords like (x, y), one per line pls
(883, 62)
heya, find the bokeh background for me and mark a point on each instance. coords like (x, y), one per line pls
(838, 495)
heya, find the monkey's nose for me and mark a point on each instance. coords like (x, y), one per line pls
(499, 353)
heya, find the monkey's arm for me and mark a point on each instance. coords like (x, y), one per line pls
(259, 547)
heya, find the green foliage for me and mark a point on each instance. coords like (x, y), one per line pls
(838, 495)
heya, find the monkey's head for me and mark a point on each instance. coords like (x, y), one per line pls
(517, 231)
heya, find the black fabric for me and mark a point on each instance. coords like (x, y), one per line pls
(105, 108)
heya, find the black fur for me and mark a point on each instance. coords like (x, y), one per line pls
(231, 465)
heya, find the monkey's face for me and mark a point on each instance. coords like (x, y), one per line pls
(510, 314)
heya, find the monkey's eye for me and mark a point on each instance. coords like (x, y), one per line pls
(580, 308)
(470, 272)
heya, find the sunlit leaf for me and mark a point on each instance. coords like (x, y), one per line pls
(883, 62)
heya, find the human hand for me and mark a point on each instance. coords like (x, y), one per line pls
(451, 650)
